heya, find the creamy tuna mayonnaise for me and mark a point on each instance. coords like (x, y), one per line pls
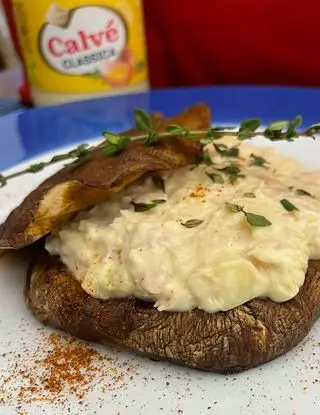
(218, 264)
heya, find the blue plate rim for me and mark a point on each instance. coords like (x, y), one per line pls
(33, 132)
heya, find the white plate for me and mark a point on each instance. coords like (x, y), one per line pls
(128, 385)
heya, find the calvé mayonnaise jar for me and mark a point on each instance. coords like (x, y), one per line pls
(78, 49)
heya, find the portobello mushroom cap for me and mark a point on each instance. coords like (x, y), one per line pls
(81, 185)
(226, 342)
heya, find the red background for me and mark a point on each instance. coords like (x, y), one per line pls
(205, 42)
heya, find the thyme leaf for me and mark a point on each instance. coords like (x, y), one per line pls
(192, 223)
(158, 182)
(288, 205)
(143, 207)
(252, 218)
(215, 177)
(302, 192)
(256, 220)
(258, 161)
(142, 120)
(224, 151)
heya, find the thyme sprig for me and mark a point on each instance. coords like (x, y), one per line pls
(79, 153)
(252, 218)
(115, 143)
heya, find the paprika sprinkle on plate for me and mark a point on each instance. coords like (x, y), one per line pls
(59, 370)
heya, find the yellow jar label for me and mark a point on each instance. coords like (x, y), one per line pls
(81, 46)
